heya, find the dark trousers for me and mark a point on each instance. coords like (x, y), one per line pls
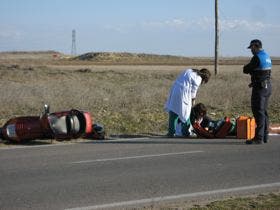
(259, 104)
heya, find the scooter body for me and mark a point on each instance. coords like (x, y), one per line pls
(57, 125)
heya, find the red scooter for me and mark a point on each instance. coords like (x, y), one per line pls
(57, 125)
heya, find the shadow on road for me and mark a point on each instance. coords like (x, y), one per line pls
(162, 139)
(27, 143)
(148, 138)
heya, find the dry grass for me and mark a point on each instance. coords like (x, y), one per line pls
(269, 201)
(127, 99)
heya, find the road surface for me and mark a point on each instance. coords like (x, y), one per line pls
(134, 172)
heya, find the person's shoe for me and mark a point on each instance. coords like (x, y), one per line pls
(265, 139)
(169, 135)
(249, 142)
(254, 141)
(257, 141)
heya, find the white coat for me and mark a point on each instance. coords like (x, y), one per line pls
(182, 92)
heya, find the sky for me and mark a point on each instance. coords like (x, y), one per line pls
(173, 27)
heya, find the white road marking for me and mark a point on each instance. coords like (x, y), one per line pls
(175, 197)
(136, 157)
(275, 128)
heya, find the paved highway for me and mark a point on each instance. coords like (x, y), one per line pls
(134, 172)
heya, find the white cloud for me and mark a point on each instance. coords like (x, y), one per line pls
(172, 23)
(235, 24)
(244, 25)
(121, 28)
(10, 34)
(204, 23)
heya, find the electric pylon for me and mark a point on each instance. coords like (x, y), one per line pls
(73, 50)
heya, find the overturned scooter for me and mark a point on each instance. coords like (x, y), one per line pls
(57, 125)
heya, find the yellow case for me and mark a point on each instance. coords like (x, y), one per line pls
(246, 127)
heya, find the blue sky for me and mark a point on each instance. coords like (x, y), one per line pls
(175, 27)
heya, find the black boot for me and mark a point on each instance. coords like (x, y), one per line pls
(257, 141)
(265, 139)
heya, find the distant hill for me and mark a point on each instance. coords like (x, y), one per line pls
(142, 58)
(123, 58)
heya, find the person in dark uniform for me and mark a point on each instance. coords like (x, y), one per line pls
(260, 70)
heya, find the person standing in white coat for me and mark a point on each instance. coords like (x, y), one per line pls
(182, 97)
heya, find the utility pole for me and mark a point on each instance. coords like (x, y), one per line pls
(216, 38)
(73, 49)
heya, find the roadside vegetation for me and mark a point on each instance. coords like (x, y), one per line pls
(262, 202)
(269, 201)
(126, 99)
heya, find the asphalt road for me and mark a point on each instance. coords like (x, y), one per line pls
(125, 173)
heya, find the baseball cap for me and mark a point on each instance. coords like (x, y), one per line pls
(255, 42)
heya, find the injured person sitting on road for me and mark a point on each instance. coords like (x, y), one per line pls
(203, 126)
